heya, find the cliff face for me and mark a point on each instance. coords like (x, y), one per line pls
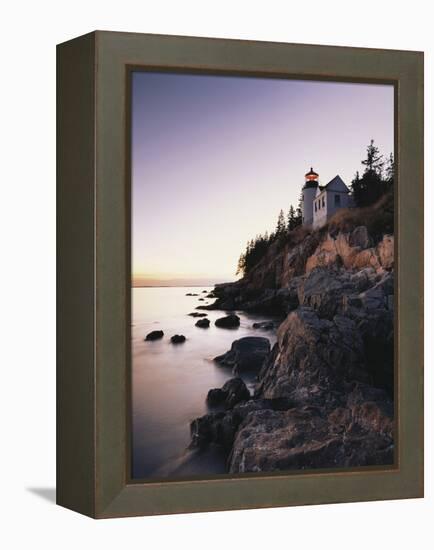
(324, 395)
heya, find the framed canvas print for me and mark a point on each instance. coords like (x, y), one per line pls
(240, 261)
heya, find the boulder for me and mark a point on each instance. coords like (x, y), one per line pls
(246, 355)
(191, 294)
(203, 323)
(230, 321)
(178, 339)
(215, 397)
(233, 392)
(155, 335)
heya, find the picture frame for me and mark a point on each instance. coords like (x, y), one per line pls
(94, 273)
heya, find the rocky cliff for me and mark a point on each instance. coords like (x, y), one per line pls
(324, 393)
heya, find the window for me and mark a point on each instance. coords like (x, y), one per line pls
(337, 200)
(323, 201)
(315, 206)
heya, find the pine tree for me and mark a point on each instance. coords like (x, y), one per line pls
(280, 226)
(292, 222)
(368, 188)
(374, 161)
(390, 169)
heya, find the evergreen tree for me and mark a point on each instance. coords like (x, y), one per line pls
(390, 169)
(374, 161)
(292, 222)
(281, 226)
(299, 212)
(368, 188)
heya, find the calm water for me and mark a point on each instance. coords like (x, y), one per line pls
(170, 382)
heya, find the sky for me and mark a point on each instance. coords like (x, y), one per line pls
(215, 158)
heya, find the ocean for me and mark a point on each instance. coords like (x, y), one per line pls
(170, 382)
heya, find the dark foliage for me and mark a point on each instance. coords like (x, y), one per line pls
(377, 179)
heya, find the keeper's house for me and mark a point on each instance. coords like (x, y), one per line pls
(320, 202)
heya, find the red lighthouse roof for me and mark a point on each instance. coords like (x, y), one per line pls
(311, 175)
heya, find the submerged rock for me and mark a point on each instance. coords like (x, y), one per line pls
(246, 354)
(155, 335)
(197, 314)
(203, 323)
(265, 325)
(230, 321)
(178, 339)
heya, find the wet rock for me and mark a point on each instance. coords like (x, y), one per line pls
(178, 339)
(246, 354)
(155, 335)
(230, 321)
(215, 397)
(233, 392)
(264, 325)
(203, 323)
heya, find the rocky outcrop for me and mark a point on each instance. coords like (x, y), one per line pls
(246, 355)
(324, 393)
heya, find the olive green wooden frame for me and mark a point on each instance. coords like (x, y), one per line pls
(93, 273)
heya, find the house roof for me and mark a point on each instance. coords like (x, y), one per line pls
(337, 184)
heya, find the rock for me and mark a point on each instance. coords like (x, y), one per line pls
(191, 294)
(201, 299)
(155, 335)
(204, 291)
(230, 321)
(306, 438)
(233, 392)
(323, 289)
(197, 314)
(360, 237)
(265, 325)
(246, 354)
(216, 397)
(203, 323)
(214, 428)
(178, 339)
(236, 391)
(313, 359)
(386, 251)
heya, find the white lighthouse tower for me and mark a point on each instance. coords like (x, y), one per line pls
(309, 192)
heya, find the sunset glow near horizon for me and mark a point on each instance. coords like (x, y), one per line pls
(215, 158)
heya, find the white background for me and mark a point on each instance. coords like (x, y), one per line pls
(29, 32)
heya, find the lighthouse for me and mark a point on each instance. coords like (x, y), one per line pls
(309, 192)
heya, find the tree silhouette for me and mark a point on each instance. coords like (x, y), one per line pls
(368, 188)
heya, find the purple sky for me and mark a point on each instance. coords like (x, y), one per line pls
(214, 159)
